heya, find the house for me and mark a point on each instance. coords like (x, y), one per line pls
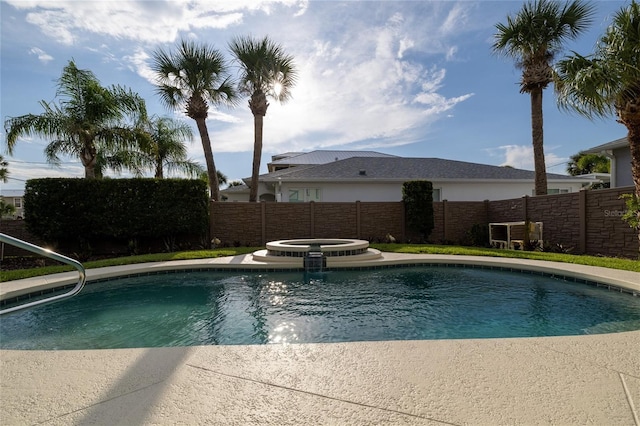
(14, 198)
(379, 177)
(620, 155)
(290, 160)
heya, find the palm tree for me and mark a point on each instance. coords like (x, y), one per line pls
(126, 159)
(584, 163)
(607, 83)
(4, 171)
(265, 71)
(168, 149)
(222, 178)
(88, 120)
(191, 78)
(165, 149)
(533, 38)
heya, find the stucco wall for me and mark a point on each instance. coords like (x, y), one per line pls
(623, 167)
(452, 191)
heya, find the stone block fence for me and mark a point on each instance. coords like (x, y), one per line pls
(586, 222)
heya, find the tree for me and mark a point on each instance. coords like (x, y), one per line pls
(583, 163)
(168, 149)
(533, 38)
(222, 178)
(191, 78)
(266, 71)
(607, 83)
(88, 120)
(4, 171)
(5, 208)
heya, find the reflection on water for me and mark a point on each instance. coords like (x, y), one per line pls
(207, 308)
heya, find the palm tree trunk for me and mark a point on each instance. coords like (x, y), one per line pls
(159, 170)
(537, 138)
(88, 159)
(258, 121)
(633, 136)
(208, 156)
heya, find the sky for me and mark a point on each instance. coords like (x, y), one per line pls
(408, 78)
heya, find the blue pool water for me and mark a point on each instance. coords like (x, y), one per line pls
(215, 308)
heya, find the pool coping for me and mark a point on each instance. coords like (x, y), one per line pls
(551, 380)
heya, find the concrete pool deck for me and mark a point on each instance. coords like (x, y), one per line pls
(576, 380)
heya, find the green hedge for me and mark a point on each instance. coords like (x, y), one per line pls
(90, 209)
(418, 203)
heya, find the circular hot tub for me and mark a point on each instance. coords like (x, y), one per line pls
(336, 250)
(329, 247)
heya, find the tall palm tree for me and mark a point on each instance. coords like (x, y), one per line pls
(533, 38)
(191, 78)
(265, 71)
(607, 83)
(88, 119)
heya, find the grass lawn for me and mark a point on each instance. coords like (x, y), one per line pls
(607, 262)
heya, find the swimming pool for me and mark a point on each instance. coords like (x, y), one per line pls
(229, 308)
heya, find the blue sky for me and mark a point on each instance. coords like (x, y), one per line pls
(409, 78)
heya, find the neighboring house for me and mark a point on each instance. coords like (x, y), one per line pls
(348, 177)
(620, 155)
(14, 198)
(238, 193)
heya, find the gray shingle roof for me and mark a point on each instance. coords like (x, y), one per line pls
(618, 143)
(236, 188)
(400, 168)
(328, 156)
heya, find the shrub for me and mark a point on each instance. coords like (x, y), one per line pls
(478, 235)
(418, 203)
(87, 210)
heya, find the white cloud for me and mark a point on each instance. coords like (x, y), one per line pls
(43, 56)
(358, 91)
(457, 18)
(377, 82)
(144, 21)
(19, 172)
(521, 157)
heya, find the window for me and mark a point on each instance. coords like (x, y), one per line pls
(17, 202)
(294, 196)
(558, 191)
(313, 194)
(299, 195)
(436, 194)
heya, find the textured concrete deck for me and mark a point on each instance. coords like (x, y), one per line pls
(574, 380)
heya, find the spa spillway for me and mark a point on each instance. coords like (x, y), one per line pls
(340, 251)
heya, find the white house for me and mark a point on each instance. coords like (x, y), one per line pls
(370, 176)
(620, 155)
(14, 198)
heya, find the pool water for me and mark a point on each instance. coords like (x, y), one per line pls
(218, 308)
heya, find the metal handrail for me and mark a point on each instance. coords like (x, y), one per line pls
(52, 255)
